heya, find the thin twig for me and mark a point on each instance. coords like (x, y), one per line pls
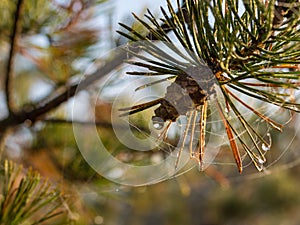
(84, 123)
(10, 63)
(60, 96)
(102, 124)
(73, 89)
(46, 105)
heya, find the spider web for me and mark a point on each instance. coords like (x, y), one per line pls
(167, 141)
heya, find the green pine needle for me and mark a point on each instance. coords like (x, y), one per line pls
(26, 199)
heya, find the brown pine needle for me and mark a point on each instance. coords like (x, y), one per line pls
(195, 113)
(233, 145)
(164, 134)
(142, 106)
(202, 133)
(286, 66)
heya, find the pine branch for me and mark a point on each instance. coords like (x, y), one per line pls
(85, 123)
(257, 43)
(10, 63)
(28, 199)
(46, 105)
(61, 96)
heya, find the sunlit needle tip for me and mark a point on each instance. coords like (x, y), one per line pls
(240, 169)
(200, 165)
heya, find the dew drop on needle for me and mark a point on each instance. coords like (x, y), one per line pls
(265, 147)
(261, 161)
(226, 110)
(158, 123)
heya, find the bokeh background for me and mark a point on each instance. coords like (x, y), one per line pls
(60, 41)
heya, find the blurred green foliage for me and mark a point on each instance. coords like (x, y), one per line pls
(26, 199)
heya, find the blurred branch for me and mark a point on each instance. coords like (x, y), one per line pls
(61, 96)
(102, 124)
(71, 90)
(10, 63)
(86, 123)
(26, 197)
(46, 105)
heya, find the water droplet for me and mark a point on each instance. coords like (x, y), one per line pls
(260, 167)
(158, 123)
(265, 147)
(158, 126)
(294, 107)
(226, 110)
(261, 161)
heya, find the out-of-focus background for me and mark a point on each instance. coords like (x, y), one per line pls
(62, 39)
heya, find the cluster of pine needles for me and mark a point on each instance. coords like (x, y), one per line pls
(224, 51)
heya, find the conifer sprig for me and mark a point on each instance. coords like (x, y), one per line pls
(251, 48)
(26, 199)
